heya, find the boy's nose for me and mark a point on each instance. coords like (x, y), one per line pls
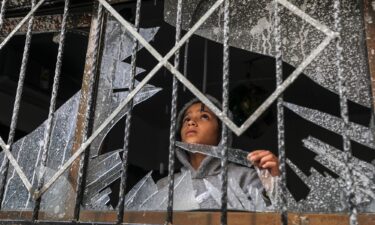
(192, 123)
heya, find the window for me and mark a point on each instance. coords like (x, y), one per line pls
(302, 117)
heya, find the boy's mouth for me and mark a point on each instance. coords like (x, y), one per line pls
(190, 132)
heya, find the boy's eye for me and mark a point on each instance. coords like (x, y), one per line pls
(205, 116)
(186, 119)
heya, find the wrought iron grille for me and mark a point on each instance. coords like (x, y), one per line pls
(77, 163)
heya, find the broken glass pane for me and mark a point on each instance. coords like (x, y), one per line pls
(114, 81)
(113, 88)
(253, 22)
(332, 158)
(28, 152)
(326, 192)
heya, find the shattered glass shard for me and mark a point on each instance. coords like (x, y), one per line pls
(235, 188)
(325, 194)
(107, 170)
(115, 74)
(335, 155)
(215, 193)
(233, 201)
(116, 35)
(54, 201)
(100, 200)
(143, 189)
(355, 132)
(257, 201)
(184, 198)
(184, 194)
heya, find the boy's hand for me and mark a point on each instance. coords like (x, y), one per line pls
(265, 159)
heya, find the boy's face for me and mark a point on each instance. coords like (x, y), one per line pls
(200, 126)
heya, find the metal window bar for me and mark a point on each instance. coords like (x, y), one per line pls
(91, 78)
(280, 117)
(2, 12)
(224, 134)
(21, 23)
(186, 60)
(350, 189)
(222, 115)
(17, 103)
(172, 129)
(55, 88)
(120, 212)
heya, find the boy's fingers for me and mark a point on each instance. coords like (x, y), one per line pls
(257, 155)
(269, 165)
(256, 152)
(273, 167)
(253, 159)
(265, 159)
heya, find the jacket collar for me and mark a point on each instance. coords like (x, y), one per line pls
(210, 166)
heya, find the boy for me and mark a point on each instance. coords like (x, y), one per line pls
(200, 126)
(197, 124)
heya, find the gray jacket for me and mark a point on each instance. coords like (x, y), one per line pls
(209, 172)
